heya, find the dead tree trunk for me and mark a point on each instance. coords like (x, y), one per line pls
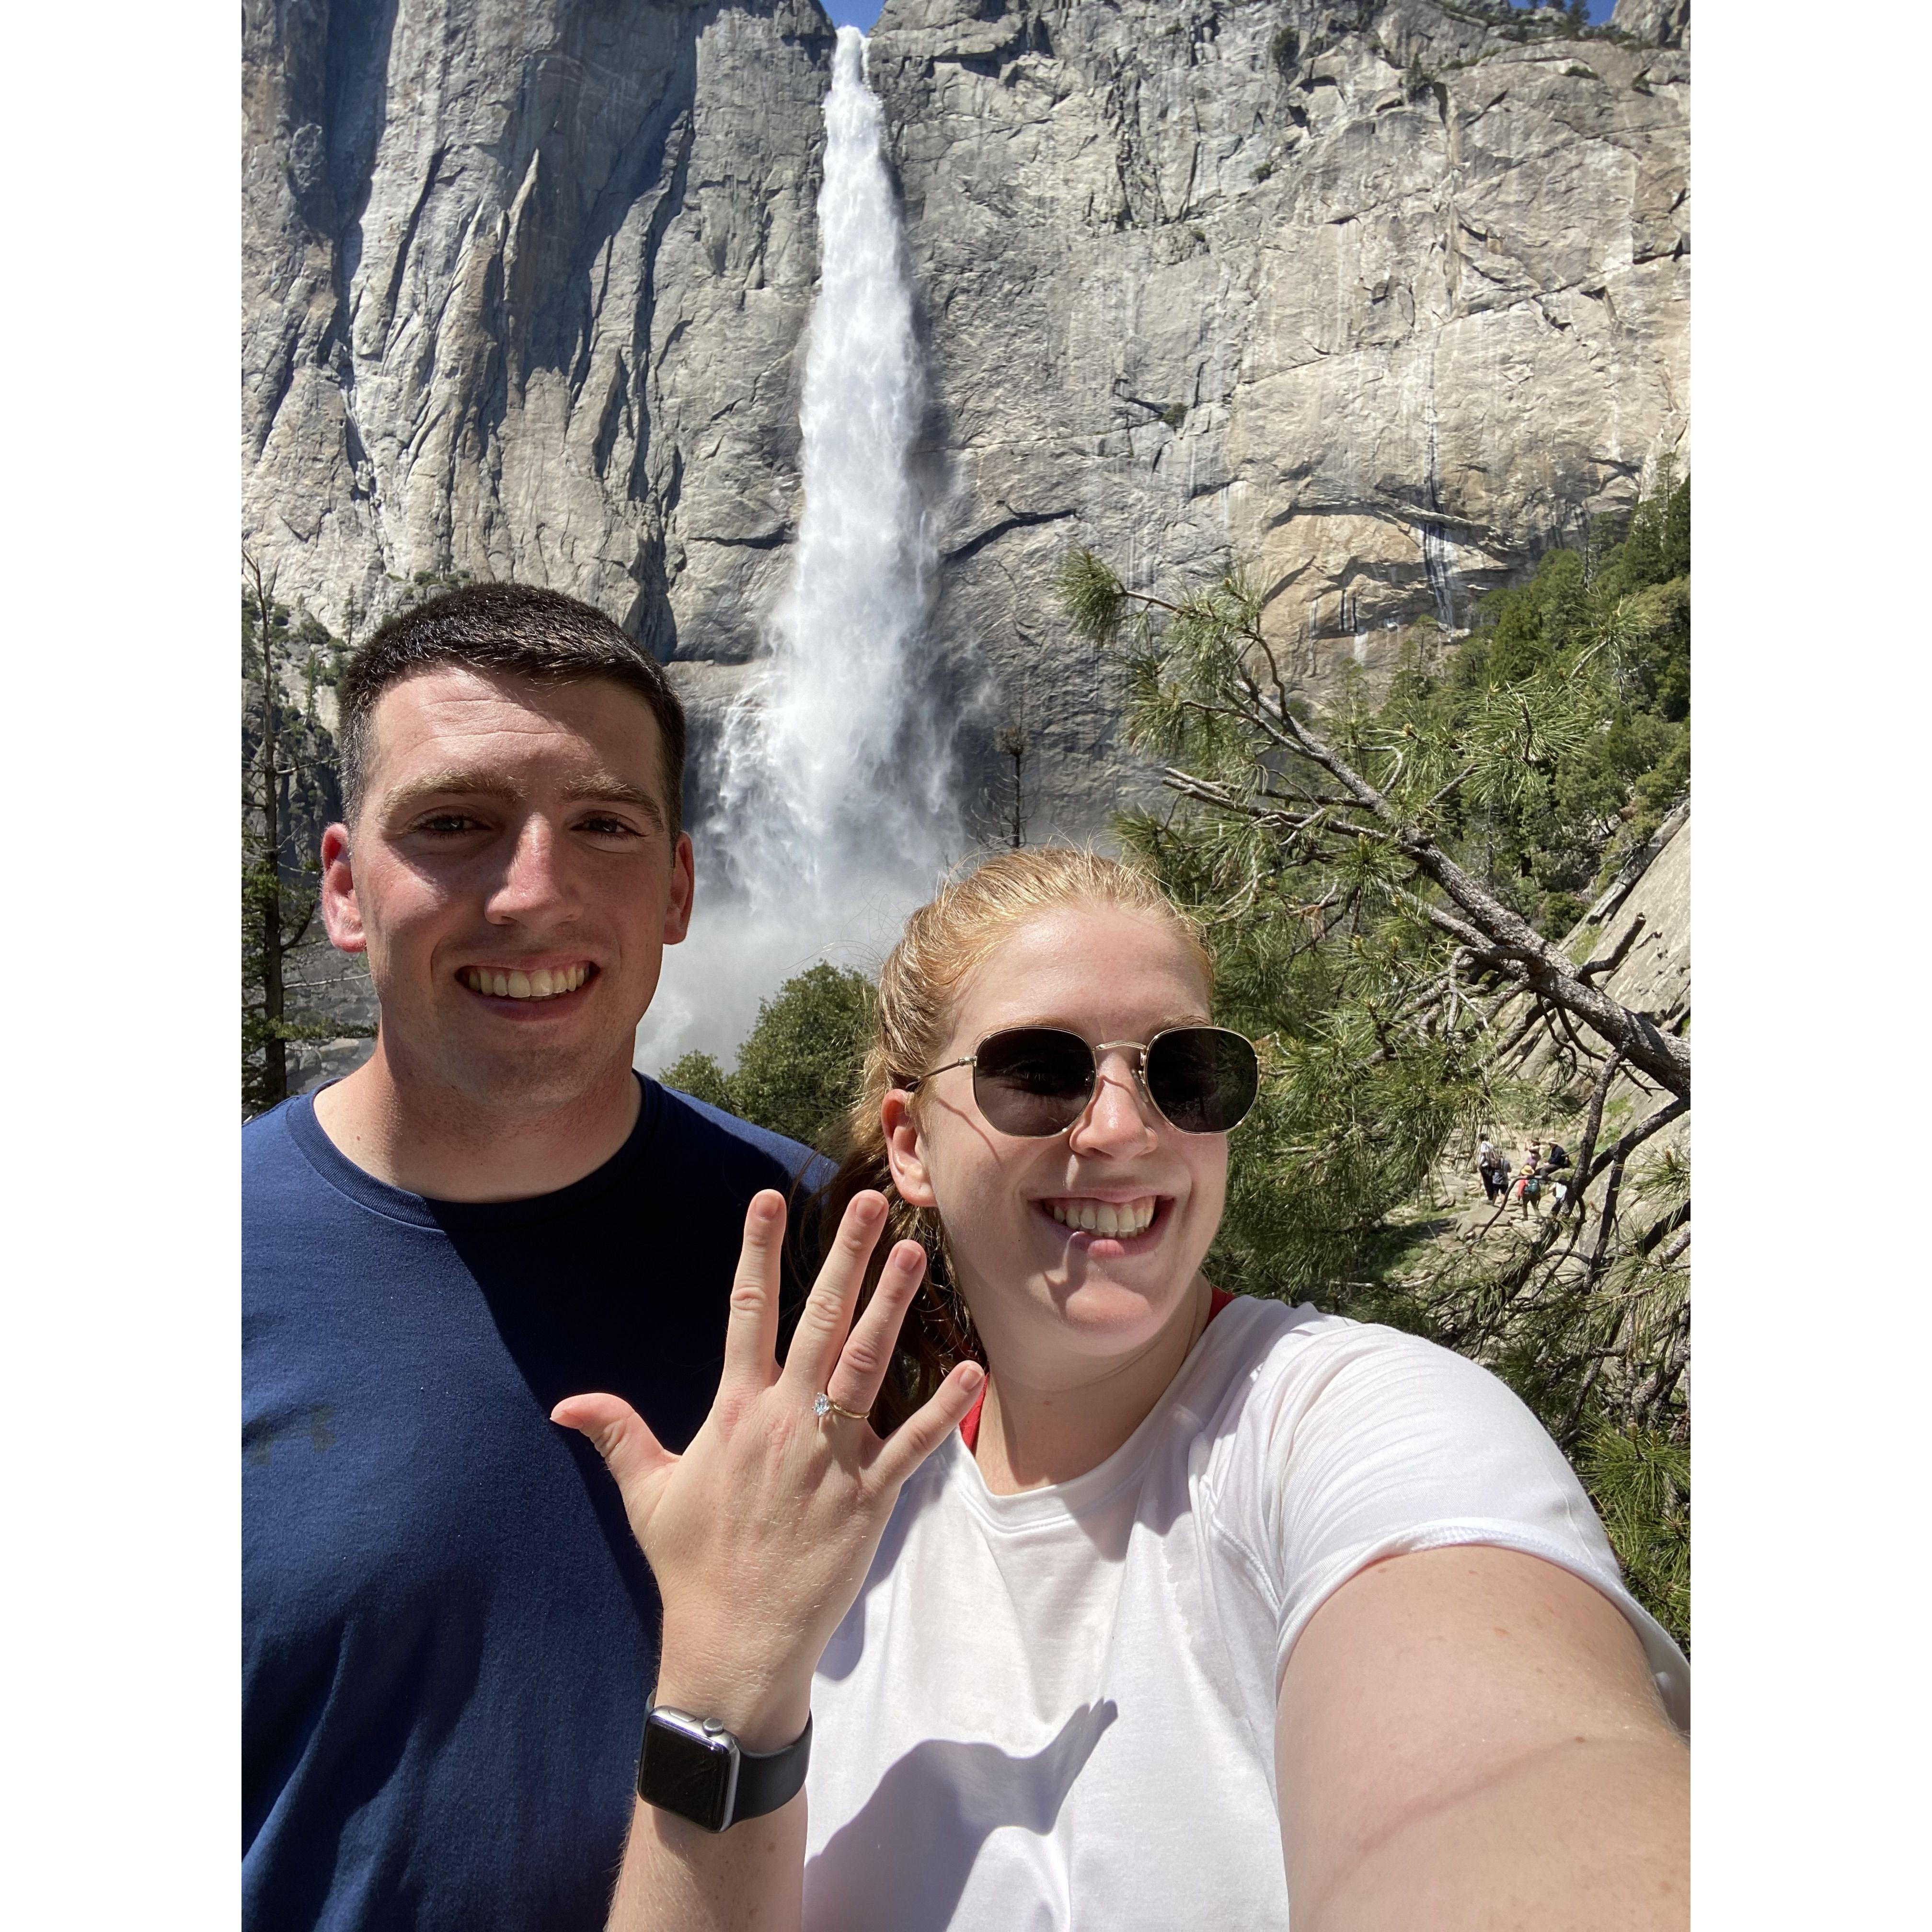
(268, 898)
(1012, 740)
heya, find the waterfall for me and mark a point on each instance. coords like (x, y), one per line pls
(832, 810)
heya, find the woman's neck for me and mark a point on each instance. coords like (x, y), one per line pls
(1041, 1429)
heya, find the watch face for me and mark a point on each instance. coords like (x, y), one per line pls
(683, 1771)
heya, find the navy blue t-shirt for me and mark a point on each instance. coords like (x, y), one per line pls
(449, 1635)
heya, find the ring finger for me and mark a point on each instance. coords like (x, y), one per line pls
(860, 1373)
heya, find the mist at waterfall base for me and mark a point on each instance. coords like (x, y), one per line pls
(831, 811)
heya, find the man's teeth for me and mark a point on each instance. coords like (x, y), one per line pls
(1125, 1218)
(545, 983)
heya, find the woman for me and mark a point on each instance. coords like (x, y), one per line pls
(1213, 1605)
(1529, 1189)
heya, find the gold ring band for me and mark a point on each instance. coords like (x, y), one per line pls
(823, 1405)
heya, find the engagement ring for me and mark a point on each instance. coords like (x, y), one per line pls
(823, 1405)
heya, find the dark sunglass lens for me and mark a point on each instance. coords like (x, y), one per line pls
(1033, 1081)
(1203, 1079)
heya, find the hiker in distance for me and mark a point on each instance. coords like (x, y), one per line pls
(449, 1635)
(1492, 1170)
(1530, 1186)
(1557, 1162)
(1084, 1594)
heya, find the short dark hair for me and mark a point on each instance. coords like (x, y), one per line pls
(515, 629)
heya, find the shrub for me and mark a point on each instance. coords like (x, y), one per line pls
(798, 1070)
(700, 1076)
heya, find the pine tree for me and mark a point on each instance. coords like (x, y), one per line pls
(289, 792)
(798, 1070)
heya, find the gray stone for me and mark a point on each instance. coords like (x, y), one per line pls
(1654, 978)
(1380, 313)
(1664, 23)
(523, 282)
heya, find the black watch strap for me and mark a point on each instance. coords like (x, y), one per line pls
(768, 1779)
(695, 1768)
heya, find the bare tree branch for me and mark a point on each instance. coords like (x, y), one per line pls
(1486, 921)
(1638, 863)
(1593, 1121)
(1612, 960)
(1634, 1139)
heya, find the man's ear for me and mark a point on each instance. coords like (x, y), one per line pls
(683, 885)
(904, 1153)
(340, 912)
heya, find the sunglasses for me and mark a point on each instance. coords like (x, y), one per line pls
(1033, 1081)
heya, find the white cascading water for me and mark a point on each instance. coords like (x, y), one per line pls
(832, 813)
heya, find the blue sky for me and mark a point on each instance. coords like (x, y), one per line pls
(862, 13)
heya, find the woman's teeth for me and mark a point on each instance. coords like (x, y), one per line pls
(545, 983)
(1124, 1218)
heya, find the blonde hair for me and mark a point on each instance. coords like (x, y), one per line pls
(973, 915)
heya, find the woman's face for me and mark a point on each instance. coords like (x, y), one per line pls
(1010, 1206)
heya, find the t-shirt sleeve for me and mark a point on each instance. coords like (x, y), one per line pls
(1375, 1443)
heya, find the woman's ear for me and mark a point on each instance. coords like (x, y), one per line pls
(904, 1153)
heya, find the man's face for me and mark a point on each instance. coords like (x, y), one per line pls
(512, 878)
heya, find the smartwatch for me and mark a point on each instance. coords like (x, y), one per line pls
(695, 1768)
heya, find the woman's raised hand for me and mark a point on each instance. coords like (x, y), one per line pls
(760, 1534)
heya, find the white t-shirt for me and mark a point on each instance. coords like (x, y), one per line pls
(1056, 1709)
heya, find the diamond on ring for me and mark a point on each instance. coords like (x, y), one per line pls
(821, 1405)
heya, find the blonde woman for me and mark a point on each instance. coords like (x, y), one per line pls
(1099, 1598)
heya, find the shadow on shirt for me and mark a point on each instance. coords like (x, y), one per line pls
(909, 1851)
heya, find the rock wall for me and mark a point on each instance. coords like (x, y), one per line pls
(1380, 301)
(522, 283)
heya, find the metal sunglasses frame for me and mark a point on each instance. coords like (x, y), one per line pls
(1139, 1048)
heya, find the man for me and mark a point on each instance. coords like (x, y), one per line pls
(1490, 1166)
(449, 1636)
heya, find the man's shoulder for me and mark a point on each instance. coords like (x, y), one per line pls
(698, 1127)
(259, 1129)
(271, 1153)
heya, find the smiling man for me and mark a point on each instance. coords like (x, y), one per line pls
(448, 1638)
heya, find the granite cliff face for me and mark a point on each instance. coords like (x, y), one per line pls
(1381, 309)
(1380, 301)
(523, 281)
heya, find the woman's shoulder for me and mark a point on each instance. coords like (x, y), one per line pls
(1329, 1421)
(1319, 1406)
(1347, 1442)
(1287, 1363)
(1266, 1346)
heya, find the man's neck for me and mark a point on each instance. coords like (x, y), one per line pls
(431, 1140)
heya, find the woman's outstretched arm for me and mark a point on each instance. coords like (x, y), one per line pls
(1468, 1738)
(759, 1537)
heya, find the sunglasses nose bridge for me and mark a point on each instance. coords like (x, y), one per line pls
(1135, 1051)
(1137, 1058)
